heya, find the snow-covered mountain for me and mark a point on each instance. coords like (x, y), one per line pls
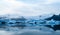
(27, 17)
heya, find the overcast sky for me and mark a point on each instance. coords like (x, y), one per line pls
(29, 7)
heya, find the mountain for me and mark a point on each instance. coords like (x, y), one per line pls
(54, 17)
(9, 16)
(45, 16)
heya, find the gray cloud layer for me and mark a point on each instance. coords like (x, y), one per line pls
(29, 7)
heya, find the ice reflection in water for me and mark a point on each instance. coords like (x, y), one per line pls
(16, 31)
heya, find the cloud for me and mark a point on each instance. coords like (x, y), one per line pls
(7, 6)
(29, 7)
(52, 1)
